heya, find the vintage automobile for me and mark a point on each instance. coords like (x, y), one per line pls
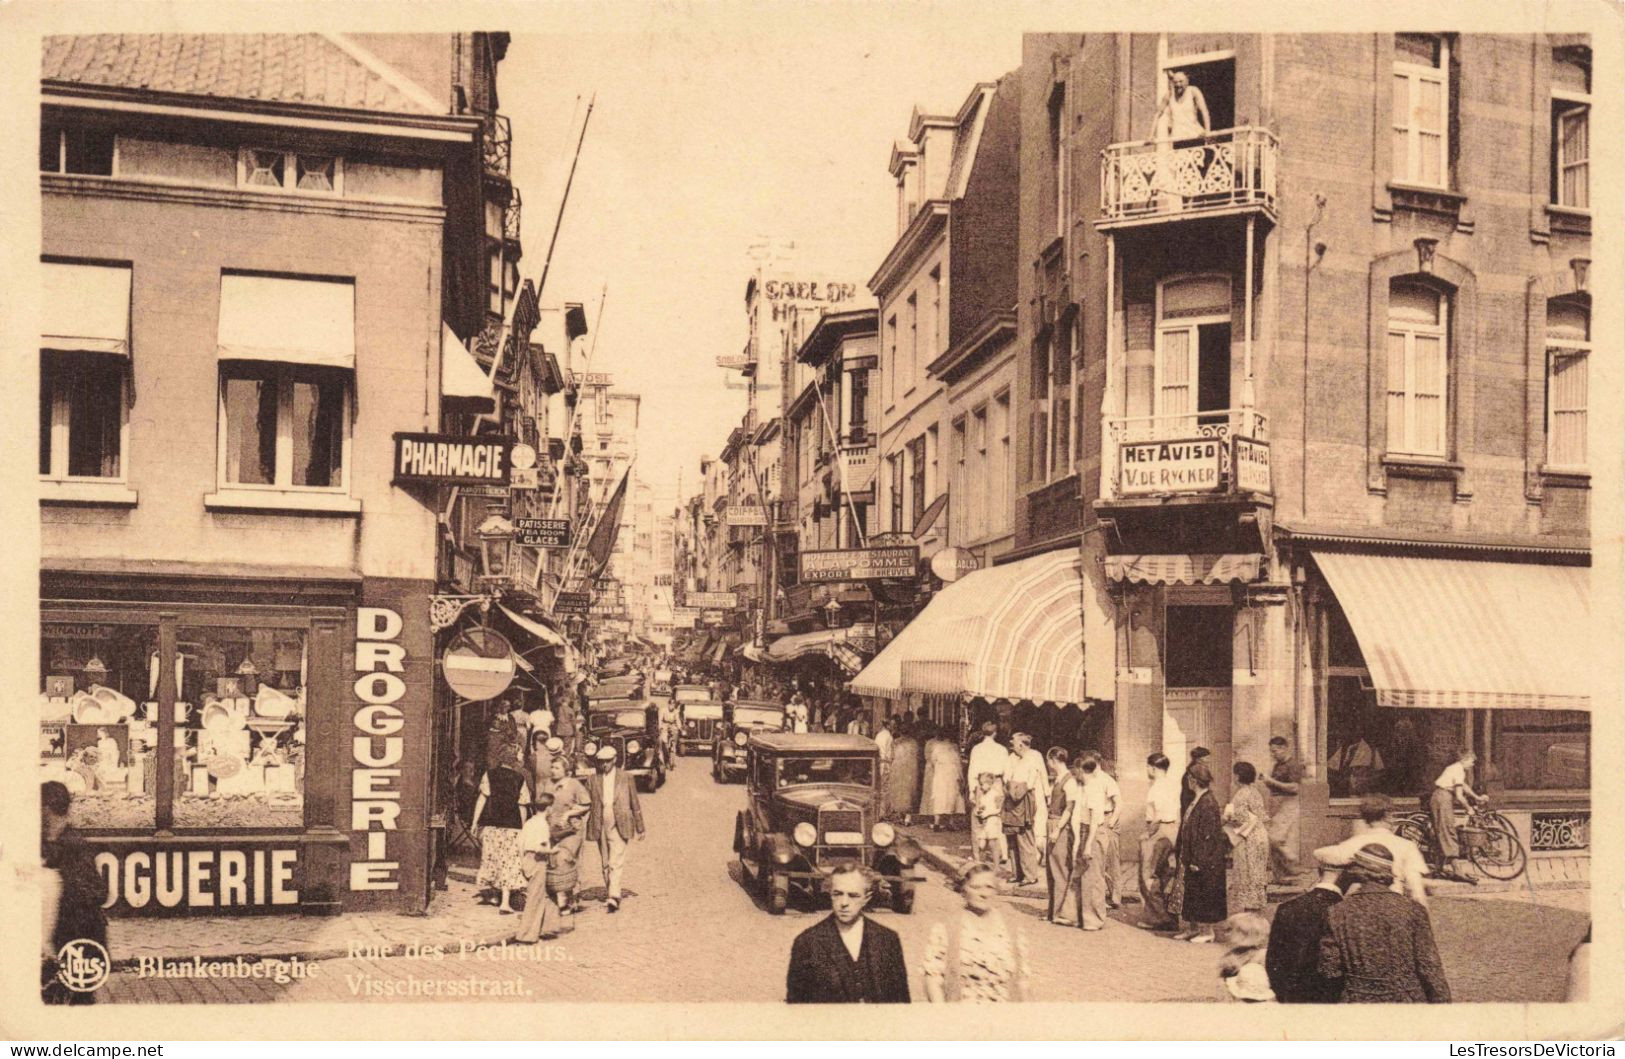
(701, 718)
(812, 802)
(632, 727)
(740, 721)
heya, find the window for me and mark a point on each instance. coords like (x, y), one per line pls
(1198, 648)
(916, 481)
(1571, 136)
(939, 326)
(1058, 154)
(1038, 456)
(891, 359)
(76, 149)
(1061, 400)
(1568, 350)
(894, 463)
(913, 338)
(858, 387)
(82, 415)
(999, 511)
(1539, 750)
(1421, 109)
(274, 170)
(1418, 370)
(284, 426)
(933, 449)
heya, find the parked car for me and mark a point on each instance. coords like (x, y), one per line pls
(632, 727)
(740, 721)
(813, 802)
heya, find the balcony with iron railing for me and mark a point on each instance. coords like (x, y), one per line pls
(1159, 456)
(498, 146)
(510, 217)
(1227, 172)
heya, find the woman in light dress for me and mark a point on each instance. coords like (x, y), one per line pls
(943, 792)
(980, 956)
(903, 796)
(1247, 826)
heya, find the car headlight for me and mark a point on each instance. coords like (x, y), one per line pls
(805, 834)
(590, 749)
(633, 746)
(741, 738)
(883, 833)
(693, 725)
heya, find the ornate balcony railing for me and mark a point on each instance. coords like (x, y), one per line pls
(510, 218)
(1155, 471)
(1146, 181)
(498, 145)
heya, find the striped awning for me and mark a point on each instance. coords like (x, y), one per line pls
(1015, 631)
(1462, 634)
(1183, 569)
(818, 642)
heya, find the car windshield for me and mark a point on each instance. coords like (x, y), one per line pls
(758, 716)
(693, 694)
(703, 711)
(798, 770)
(600, 719)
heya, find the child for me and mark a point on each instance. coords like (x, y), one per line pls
(987, 828)
(541, 919)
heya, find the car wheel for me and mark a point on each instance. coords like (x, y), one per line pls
(902, 898)
(778, 894)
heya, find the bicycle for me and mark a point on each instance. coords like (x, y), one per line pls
(1487, 840)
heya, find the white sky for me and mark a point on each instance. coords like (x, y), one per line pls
(709, 134)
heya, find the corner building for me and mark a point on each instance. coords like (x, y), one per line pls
(1309, 391)
(253, 245)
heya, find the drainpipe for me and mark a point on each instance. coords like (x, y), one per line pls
(1313, 254)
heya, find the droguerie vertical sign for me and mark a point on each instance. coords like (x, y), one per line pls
(377, 746)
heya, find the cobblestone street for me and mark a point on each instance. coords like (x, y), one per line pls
(685, 899)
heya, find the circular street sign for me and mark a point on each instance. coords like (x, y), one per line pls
(522, 457)
(950, 564)
(478, 664)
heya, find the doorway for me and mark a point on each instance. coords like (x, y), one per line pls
(1198, 676)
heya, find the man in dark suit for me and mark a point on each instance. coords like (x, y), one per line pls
(1293, 958)
(848, 958)
(614, 821)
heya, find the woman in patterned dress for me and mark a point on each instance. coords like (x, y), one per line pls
(982, 957)
(498, 815)
(1247, 825)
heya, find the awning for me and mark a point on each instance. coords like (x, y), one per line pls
(1015, 631)
(462, 381)
(291, 321)
(1462, 634)
(1183, 569)
(535, 628)
(754, 653)
(818, 642)
(86, 308)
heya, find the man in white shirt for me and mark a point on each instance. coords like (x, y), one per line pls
(1110, 836)
(1409, 864)
(1026, 769)
(1450, 790)
(1157, 842)
(988, 755)
(1090, 825)
(883, 742)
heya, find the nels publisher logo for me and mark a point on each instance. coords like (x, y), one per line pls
(83, 965)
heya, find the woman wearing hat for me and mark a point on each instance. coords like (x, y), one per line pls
(1380, 943)
(571, 805)
(1201, 849)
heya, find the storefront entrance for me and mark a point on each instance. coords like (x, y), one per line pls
(1197, 698)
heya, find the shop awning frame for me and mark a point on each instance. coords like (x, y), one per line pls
(545, 637)
(85, 308)
(1200, 569)
(1467, 634)
(288, 321)
(463, 383)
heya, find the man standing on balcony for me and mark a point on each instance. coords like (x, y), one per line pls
(1182, 122)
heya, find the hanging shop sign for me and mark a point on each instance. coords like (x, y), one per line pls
(950, 564)
(543, 532)
(713, 617)
(745, 515)
(713, 600)
(1252, 466)
(525, 478)
(889, 540)
(478, 664)
(734, 361)
(157, 879)
(452, 459)
(684, 618)
(592, 378)
(572, 603)
(1156, 468)
(859, 564)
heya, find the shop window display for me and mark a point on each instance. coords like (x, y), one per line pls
(1541, 750)
(240, 730)
(94, 736)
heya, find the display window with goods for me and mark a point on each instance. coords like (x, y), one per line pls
(231, 706)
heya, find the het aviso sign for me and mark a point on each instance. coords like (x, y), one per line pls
(859, 564)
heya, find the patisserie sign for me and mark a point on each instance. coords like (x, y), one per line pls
(377, 746)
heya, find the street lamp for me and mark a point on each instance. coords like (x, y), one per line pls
(832, 610)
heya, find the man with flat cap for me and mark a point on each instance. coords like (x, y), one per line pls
(615, 821)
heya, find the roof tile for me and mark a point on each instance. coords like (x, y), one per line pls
(274, 67)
